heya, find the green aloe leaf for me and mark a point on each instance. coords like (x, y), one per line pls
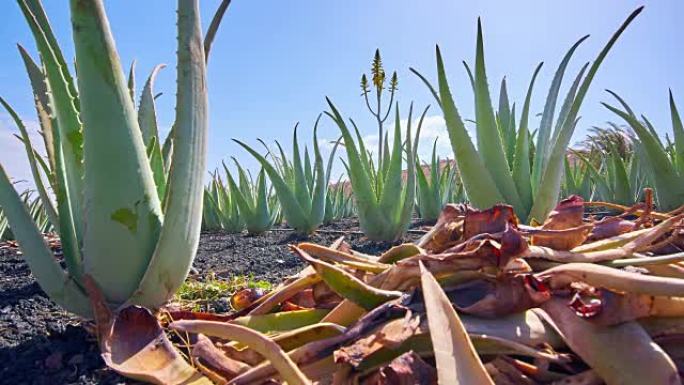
(64, 102)
(347, 285)
(521, 163)
(179, 236)
(544, 134)
(489, 142)
(49, 274)
(33, 164)
(477, 180)
(123, 209)
(549, 186)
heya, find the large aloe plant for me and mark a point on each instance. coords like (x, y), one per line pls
(499, 169)
(113, 229)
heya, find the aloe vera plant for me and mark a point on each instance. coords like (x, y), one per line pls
(36, 210)
(220, 211)
(615, 180)
(301, 185)
(117, 228)
(384, 197)
(339, 202)
(576, 179)
(498, 170)
(252, 199)
(435, 186)
(664, 162)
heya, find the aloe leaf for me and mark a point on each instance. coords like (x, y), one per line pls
(300, 183)
(622, 186)
(477, 180)
(213, 27)
(147, 114)
(549, 186)
(567, 102)
(409, 191)
(35, 8)
(322, 174)
(392, 176)
(131, 81)
(457, 360)
(544, 133)
(124, 212)
(678, 130)
(64, 104)
(281, 321)
(521, 162)
(179, 235)
(49, 274)
(37, 178)
(428, 85)
(489, 142)
(347, 285)
(47, 123)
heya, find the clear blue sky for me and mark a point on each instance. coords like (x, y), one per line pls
(274, 61)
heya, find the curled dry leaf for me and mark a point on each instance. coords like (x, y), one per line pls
(138, 348)
(347, 285)
(491, 221)
(447, 231)
(564, 228)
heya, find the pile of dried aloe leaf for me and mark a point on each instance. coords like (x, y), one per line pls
(480, 299)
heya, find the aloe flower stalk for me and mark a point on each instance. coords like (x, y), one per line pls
(134, 234)
(489, 177)
(301, 188)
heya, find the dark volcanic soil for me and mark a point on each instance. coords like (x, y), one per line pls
(41, 344)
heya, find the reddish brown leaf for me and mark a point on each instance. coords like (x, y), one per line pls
(564, 228)
(490, 221)
(447, 231)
